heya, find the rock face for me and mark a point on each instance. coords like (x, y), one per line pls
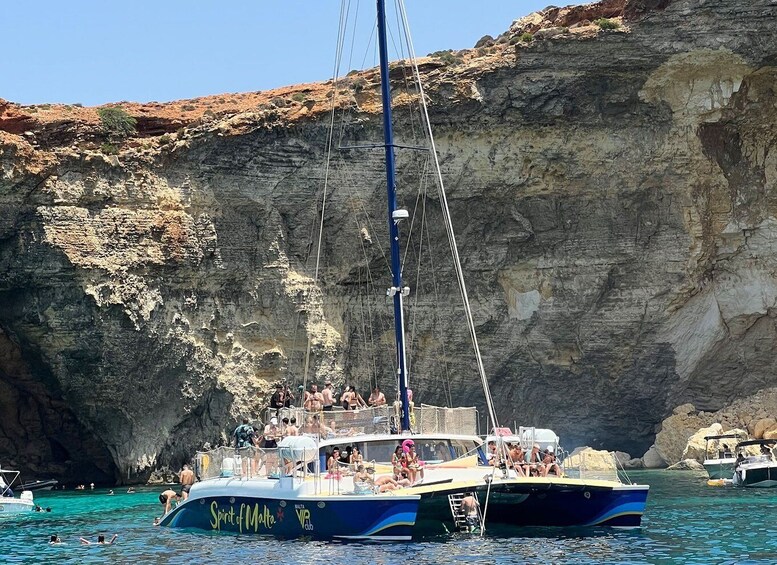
(612, 192)
(695, 448)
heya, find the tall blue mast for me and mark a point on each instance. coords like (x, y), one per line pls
(396, 290)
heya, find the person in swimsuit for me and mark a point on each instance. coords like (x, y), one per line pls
(414, 466)
(346, 400)
(187, 480)
(100, 540)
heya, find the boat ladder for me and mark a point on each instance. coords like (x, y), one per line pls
(460, 517)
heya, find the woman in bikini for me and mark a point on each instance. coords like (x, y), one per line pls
(356, 458)
(414, 465)
(333, 463)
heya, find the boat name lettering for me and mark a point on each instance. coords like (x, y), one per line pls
(303, 515)
(249, 517)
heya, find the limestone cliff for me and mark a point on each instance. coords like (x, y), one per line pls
(613, 192)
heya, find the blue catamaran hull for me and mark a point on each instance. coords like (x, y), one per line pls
(383, 519)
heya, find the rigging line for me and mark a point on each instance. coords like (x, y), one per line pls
(446, 385)
(338, 55)
(411, 110)
(360, 204)
(420, 197)
(359, 287)
(346, 111)
(449, 228)
(411, 345)
(370, 282)
(445, 378)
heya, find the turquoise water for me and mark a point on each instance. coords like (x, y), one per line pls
(686, 522)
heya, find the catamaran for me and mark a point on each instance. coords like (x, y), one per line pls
(296, 490)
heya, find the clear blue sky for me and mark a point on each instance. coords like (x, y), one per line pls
(97, 51)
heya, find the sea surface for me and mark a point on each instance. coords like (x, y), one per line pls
(686, 522)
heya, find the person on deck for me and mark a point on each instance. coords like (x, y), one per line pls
(518, 459)
(187, 479)
(272, 434)
(328, 396)
(549, 462)
(414, 465)
(315, 400)
(536, 467)
(242, 434)
(166, 498)
(363, 481)
(377, 398)
(333, 463)
(347, 398)
(278, 399)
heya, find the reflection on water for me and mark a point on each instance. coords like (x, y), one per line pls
(686, 522)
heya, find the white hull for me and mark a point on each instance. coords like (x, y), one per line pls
(15, 506)
(720, 468)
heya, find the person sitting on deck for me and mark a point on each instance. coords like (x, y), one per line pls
(356, 458)
(362, 481)
(518, 459)
(401, 477)
(549, 462)
(414, 465)
(333, 462)
(398, 460)
(536, 467)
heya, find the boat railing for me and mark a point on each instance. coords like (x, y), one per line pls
(244, 463)
(379, 420)
(599, 465)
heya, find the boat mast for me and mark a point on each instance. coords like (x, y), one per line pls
(396, 291)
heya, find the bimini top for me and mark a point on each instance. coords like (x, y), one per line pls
(725, 436)
(756, 442)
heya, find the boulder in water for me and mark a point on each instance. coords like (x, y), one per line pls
(652, 459)
(695, 448)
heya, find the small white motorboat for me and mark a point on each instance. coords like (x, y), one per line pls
(719, 458)
(9, 504)
(759, 470)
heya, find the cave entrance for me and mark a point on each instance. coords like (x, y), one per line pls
(40, 436)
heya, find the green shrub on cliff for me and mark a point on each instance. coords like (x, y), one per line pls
(604, 23)
(109, 149)
(447, 57)
(526, 37)
(116, 122)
